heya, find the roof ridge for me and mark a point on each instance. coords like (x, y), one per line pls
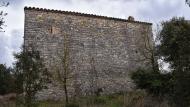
(82, 14)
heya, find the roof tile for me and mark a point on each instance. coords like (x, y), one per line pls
(83, 14)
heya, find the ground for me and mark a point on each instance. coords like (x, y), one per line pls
(137, 98)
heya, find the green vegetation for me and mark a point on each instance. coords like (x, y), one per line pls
(174, 48)
(158, 89)
(155, 83)
(7, 80)
(131, 99)
(31, 76)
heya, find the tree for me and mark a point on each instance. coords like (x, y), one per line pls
(2, 14)
(63, 72)
(175, 48)
(188, 2)
(7, 80)
(31, 75)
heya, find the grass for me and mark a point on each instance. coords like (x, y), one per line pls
(51, 104)
(130, 99)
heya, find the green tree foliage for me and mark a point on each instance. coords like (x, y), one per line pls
(155, 83)
(7, 81)
(181, 89)
(31, 75)
(175, 45)
(175, 48)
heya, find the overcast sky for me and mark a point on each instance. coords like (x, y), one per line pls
(153, 11)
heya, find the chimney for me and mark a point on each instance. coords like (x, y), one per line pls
(131, 18)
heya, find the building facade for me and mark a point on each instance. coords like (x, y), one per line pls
(101, 51)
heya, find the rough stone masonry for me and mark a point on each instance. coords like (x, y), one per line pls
(103, 51)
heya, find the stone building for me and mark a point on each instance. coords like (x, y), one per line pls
(103, 51)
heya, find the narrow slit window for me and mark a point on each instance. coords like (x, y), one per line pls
(54, 30)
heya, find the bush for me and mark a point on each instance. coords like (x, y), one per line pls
(181, 89)
(7, 81)
(155, 83)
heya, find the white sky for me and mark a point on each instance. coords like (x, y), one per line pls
(153, 11)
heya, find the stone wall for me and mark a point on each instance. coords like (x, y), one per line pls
(103, 51)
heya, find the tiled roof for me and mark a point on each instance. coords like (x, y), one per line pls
(83, 14)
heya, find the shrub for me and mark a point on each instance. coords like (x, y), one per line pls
(155, 83)
(7, 81)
